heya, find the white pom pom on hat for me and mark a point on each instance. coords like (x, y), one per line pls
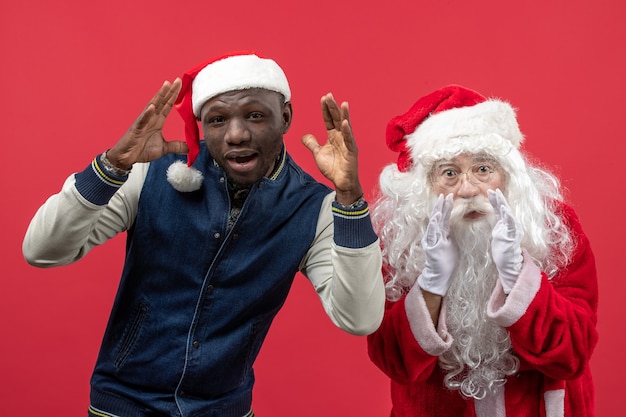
(184, 178)
(234, 71)
(452, 117)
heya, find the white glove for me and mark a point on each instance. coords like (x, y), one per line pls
(505, 243)
(441, 254)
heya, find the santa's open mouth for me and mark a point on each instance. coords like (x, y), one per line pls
(473, 214)
(472, 211)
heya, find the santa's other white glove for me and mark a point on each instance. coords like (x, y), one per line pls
(441, 254)
(506, 241)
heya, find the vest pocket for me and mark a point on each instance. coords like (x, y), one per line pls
(130, 335)
(234, 358)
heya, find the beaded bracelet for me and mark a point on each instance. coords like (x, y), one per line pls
(357, 204)
(112, 169)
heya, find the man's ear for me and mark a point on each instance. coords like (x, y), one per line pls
(287, 116)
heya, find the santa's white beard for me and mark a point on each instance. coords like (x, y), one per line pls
(480, 356)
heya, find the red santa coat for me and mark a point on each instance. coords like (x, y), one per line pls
(552, 325)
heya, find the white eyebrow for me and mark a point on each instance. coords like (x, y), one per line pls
(439, 164)
(476, 159)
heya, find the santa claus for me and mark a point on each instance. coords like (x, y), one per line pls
(491, 282)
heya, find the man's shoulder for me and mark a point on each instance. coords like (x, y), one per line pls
(304, 177)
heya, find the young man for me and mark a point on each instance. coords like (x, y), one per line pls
(491, 282)
(213, 242)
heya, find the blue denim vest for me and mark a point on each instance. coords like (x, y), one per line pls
(196, 300)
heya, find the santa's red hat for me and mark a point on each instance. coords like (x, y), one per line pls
(229, 72)
(451, 120)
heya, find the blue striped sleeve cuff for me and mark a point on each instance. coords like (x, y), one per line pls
(353, 226)
(96, 184)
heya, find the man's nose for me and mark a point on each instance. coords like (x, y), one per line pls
(236, 132)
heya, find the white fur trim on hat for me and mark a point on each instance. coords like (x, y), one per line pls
(184, 178)
(237, 73)
(487, 125)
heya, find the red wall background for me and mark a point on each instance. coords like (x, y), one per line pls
(75, 74)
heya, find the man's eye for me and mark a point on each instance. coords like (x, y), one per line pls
(449, 173)
(255, 115)
(216, 120)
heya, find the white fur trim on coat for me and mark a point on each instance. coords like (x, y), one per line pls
(434, 341)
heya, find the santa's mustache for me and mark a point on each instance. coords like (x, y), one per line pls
(464, 206)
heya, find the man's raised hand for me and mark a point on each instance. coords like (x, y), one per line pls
(144, 141)
(337, 159)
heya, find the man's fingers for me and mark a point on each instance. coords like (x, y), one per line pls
(158, 94)
(176, 146)
(348, 136)
(331, 112)
(144, 118)
(160, 105)
(345, 111)
(170, 97)
(326, 114)
(311, 143)
(166, 97)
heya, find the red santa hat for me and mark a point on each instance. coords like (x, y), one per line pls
(451, 120)
(234, 71)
